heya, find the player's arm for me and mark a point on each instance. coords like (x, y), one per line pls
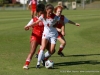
(71, 22)
(59, 30)
(61, 22)
(31, 24)
(29, 5)
(63, 30)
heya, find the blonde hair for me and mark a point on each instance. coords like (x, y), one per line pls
(60, 3)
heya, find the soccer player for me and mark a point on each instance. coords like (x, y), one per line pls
(60, 38)
(58, 11)
(36, 35)
(50, 32)
(32, 6)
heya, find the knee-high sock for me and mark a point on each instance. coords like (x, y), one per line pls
(27, 62)
(47, 55)
(41, 53)
(60, 48)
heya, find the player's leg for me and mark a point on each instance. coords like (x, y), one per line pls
(33, 47)
(36, 56)
(33, 13)
(50, 52)
(41, 53)
(50, 48)
(62, 45)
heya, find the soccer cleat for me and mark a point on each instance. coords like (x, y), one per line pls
(25, 67)
(36, 56)
(37, 66)
(61, 54)
(43, 62)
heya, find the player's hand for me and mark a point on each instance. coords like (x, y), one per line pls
(59, 30)
(26, 28)
(63, 33)
(77, 24)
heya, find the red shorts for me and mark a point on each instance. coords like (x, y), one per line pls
(59, 35)
(36, 38)
(33, 10)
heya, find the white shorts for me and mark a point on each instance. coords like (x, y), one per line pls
(52, 39)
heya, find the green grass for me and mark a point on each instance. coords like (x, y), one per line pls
(82, 49)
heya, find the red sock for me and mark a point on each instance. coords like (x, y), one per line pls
(60, 50)
(27, 62)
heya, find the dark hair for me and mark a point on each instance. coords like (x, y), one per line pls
(40, 7)
(49, 6)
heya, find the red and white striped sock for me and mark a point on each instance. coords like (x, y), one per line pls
(27, 62)
(60, 49)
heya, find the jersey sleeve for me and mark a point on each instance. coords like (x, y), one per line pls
(57, 18)
(65, 20)
(37, 2)
(41, 18)
(30, 3)
(30, 22)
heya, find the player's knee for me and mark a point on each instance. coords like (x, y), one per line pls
(64, 43)
(52, 52)
(42, 47)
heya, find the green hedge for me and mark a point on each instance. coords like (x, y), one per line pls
(1, 1)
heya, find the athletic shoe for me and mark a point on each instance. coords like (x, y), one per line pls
(36, 56)
(38, 66)
(25, 67)
(43, 62)
(61, 54)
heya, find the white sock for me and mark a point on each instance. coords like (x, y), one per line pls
(40, 56)
(61, 46)
(47, 54)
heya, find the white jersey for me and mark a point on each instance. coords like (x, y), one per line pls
(48, 25)
(30, 22)
(49, 31)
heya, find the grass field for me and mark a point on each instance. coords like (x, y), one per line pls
(82, 52)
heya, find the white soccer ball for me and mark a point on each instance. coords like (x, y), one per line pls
(49, 64)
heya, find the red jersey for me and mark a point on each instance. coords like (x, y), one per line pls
(58, 24)
(38, 29)
(33, 4)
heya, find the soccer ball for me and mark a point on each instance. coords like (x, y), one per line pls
(49, 64)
